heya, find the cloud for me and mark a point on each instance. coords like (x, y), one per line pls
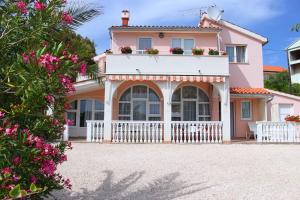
(170, 12)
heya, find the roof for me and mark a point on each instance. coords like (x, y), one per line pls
(240, 29)
(284, 94)
(249, 91)
(274, 69)
(294, 45)
(165, 28)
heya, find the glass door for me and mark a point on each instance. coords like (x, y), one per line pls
(189, 110)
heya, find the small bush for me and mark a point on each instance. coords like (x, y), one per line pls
(176, 50)
(198, 51)
(213, 52)
(126, 50)
(152, 51)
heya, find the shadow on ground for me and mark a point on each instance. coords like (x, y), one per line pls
(167, 187)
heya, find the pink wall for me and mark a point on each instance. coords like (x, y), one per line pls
(202, 40)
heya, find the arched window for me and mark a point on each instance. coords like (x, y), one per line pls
(139, 103)
(85, 109)
(190, 104)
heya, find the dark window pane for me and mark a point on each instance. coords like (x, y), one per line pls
(176, 95)
(153, 96)
(139, 110)
(176, 118)
(154, 109)
(189, 92)
(204, 109)
(230, 53)
(204, 119)
(189, 111)
(85, 111)
(72, 116)
(139, 91)
(176, 108)
(99, 105)
(73, 105)
(124, 108)
(126, 95)
(202, 96)
(99, 116)
(124, 118)
(154, 118)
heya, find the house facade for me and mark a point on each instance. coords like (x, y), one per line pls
(293, 52)
(168, 97)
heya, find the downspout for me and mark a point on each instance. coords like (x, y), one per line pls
(219, 42)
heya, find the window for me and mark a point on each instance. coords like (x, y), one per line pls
(82, 110)
(186, 44)
(190, 104)
(284, 111)
(236, 53)
(139, 103)
(144, 43)
(246, 110)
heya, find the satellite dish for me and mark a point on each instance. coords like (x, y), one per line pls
(215, 13)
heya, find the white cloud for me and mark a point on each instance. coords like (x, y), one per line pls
(165, 12)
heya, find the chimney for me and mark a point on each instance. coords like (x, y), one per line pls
(125, 17)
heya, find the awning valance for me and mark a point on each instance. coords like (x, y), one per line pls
(177, 78)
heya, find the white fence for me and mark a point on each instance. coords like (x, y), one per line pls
(278, 132)
(197, 132)
(95, 131)
(137, 132)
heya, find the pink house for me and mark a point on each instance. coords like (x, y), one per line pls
(169, 97)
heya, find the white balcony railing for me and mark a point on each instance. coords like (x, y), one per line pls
(167, 64)
(197, 132)
(137, 132)
(95, 131)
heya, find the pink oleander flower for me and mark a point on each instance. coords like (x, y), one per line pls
(21, 5)
(66, 82)
(39, 6)
(66, 18)
(49, 98)
(2, 114)
(48, 167)
(15, 178)
(16, 160)
(6, 170)
(11, 131)
(82, 69)
(49, 62)
(67, 184)
(74, 58)
(63, 158)
(70, 122)
(33, 179)
(67, 106)
(25, 58)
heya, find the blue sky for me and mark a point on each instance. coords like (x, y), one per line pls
(270, 18)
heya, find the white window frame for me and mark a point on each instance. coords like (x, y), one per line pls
(78, 110)
(190, 99)
(284, 104)
(148, 103)
(241, 105)
(235, 55)
(182, 43)
(139, 51)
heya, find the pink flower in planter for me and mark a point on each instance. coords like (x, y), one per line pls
(6, 170)
(49, 98)
(39, 6)
(2, 114)
(66, 18)
(82, 69)
(16, 160)
(21, 5)
(48, 167)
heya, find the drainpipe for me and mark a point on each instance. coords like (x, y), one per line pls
(219, 42)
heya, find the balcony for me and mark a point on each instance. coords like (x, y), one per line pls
(167, 65)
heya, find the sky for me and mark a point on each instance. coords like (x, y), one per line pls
(270, 18)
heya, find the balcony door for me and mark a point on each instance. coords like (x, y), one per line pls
(186, 44)
(143, 45)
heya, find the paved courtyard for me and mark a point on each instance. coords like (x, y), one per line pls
(152, 172)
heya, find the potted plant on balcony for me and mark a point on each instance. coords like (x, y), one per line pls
(176, 50)
(108, 51)
(152, 51)
(213, 52)
(197, 51)
(126, 50)
(292, 118)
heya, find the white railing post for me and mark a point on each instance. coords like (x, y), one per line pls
(259, 133)
(66, 133)
(291, 132)
(89, 131)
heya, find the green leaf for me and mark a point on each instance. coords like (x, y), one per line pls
(15, 192)
(33, 187)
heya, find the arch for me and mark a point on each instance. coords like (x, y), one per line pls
(191, 103)
(138, 101)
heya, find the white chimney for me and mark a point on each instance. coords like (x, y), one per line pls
(125, 17)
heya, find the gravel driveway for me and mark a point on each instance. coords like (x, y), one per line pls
(152, 172)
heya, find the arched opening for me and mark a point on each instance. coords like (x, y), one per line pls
(190, 103)
(139, 103)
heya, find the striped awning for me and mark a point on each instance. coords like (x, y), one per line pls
(178, 78)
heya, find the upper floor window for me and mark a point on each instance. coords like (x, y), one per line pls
(186, 44)
(144, 44)
(236, 53)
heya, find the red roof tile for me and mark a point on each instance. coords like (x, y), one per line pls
(249, 91)
(274, 69)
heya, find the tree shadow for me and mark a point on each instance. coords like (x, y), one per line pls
(167, 187)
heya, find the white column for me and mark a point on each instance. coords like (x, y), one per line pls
(66, 133)
(224, 91)
(167, 89)
(110, 88)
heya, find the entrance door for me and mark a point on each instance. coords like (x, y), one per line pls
(232, 121)
(189, 111)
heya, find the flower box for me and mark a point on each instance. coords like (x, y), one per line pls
(126, 50)
(178, 51)
(197, 51)
(213, 52)
(152, 51)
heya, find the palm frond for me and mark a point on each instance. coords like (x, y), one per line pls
(82, 13)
